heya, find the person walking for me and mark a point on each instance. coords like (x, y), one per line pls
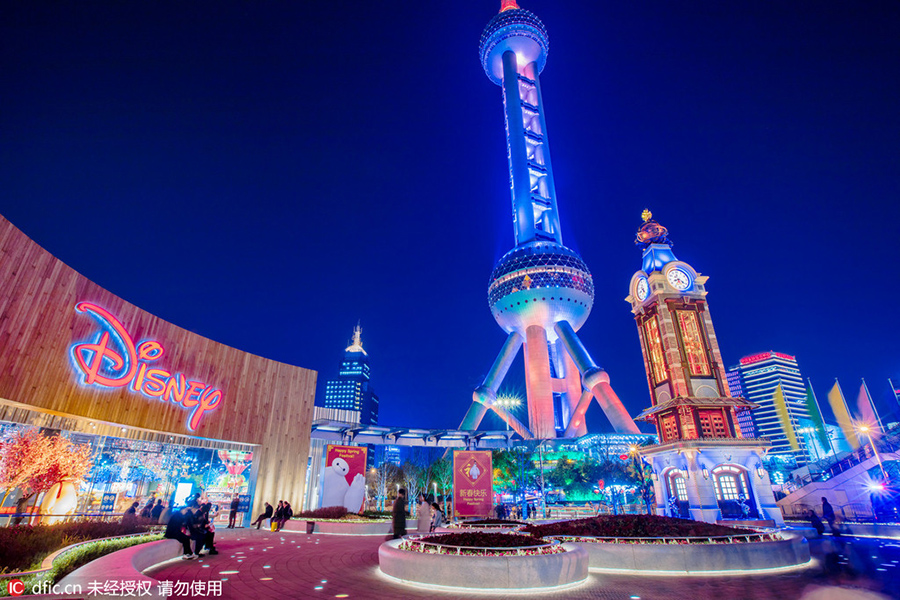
(177, 528)
(828, 512)
(424, 515)
(398, 514)
(266, 515)
(232, 516)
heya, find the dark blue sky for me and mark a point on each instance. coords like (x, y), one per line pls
(268, 173)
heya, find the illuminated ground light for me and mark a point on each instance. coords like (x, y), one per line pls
(228, 572)
(267, 566)
(318, 587)
(324, 581)
(265, 579)
(341, 596)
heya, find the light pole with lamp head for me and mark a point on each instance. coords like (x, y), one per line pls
(867, 429)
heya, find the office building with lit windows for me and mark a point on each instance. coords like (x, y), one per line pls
(759, 376)
(744, 418)
(351, 389)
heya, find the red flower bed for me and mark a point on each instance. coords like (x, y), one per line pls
(492, 522)
(637, 526)
(481, 539)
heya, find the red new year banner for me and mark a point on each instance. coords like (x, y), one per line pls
(473, 483)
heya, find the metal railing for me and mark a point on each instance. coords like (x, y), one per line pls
(743, 538)
(416, 539)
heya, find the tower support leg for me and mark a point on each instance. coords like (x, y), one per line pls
(576, 423)
(484, 395)
(596, 380)
(539, 385)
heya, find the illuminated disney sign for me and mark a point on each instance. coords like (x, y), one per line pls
(113, 360)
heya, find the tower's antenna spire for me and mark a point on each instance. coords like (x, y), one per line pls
(508, 5)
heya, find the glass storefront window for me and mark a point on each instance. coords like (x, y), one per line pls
(136, 470)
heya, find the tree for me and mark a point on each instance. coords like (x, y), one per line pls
(412, 476)
(35, 462)
(385, 476)
(442, 470)
(22, 457)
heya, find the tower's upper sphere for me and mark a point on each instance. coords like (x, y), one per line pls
(540, 283)
(517, 30)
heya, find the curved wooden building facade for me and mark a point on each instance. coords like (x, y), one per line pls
(74, 356)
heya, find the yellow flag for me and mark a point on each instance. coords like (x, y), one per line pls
(839, 408)
(785, 418)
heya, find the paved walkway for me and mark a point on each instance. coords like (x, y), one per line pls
(257, 564)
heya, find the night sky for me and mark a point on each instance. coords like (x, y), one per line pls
(268, 173)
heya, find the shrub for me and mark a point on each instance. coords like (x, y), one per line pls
(482, 539)
(508, 522)
(23, 547)
(79, 557)
(633, 526)
(326, 512)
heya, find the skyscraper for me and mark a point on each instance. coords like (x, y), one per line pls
(352, 390)
(760, 375)
(540, 292)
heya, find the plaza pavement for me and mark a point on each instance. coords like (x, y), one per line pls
(258, 564)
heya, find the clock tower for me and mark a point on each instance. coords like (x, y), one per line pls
(705, 468)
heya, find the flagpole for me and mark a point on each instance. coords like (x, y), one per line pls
(872, 404)
(850, 416)
(819, 408)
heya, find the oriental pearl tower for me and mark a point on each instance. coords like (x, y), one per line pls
(540, 292)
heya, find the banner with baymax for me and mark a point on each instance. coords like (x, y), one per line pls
(344, 477)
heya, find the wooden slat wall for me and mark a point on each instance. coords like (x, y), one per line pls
(265, 402)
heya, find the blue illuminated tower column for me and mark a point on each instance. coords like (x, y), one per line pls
(540, 292)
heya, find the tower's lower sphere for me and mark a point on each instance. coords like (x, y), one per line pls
(540, 283)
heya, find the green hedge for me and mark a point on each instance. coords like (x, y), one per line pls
(23, 547)
(78, 557)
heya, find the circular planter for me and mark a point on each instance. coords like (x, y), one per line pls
(541, 571)
(694, 555)
(372, 527)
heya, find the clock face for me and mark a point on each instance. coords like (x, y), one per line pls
(643, 288)
(679, 279)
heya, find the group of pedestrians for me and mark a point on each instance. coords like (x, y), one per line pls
(430, 514)
(152, 512)
(193, 523)
(277, 517)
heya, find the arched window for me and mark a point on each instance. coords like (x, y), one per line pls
(677, 486)
(731, 483)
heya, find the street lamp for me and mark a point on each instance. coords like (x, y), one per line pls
(508, 403)
(866, 429)
(645, 494)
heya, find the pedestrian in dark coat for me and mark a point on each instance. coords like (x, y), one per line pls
(398, 514)
(232, 516)
(157, 510)
(130, 516)
(266, 515)
(828, 512)
(177, 529)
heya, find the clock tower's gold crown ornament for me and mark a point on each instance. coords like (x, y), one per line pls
(651, 232)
